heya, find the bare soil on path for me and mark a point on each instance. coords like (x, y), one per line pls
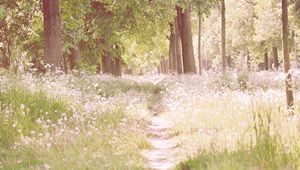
(165, 151)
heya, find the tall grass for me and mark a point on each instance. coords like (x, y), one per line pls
(266, 149)
(105, 140)
(20, 109)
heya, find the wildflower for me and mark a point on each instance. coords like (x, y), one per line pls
(95, 85)
(47, 166)
(48, 145)
(22, 106)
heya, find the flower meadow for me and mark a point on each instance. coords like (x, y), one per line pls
(88, 121)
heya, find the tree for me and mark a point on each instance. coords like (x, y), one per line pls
(186, 38)
(223, 35)
(199, 43)
(297, 7)
(285, 52)
(178, 47)
(266, 57)
(106, 63)
(52, 35)
(74, 57)
(202, 8)
(275, 57)
(118, 67)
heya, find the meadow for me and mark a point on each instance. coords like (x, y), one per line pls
(88, 121)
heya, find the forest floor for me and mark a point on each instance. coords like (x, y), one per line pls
(88, 121)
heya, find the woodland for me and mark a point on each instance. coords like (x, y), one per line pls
(149, 84)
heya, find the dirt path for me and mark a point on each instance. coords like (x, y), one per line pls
(165, 151)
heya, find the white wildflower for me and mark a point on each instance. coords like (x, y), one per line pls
(47, 166)
(22, 106)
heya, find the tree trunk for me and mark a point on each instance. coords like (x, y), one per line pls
(106, 65)
(223, 35)
(158, 70)
(75, 57)
(178, 47)
(229, 61)
(167, 67)
(98, 68)
(286, 59)
(5, 61)
(295, 50)
(173, 56)
(170, 52)
(162, 66)
(199, 45)
(297, 7)
(113, 66)
(187, 41)
(118, 67)
(275, 57)
(52, 35)
(266, 60)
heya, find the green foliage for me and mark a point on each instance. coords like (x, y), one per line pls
(203, 7)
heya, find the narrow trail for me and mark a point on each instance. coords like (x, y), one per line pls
(165, 150)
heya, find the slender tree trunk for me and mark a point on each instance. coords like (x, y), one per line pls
(52, 35)
(271, 62)
(75, 57)
(199, 45)
(295, 50)
(173, 45)
(266, 60)
(187, 41)
(167, 66)
(113, 66)
(170, 53)
(158, 70)
(178, 47)
(162, 66)
(118, 67)
(223, 35)
(275, 57)
(99, 68)
(286, 59)
(106, 63)
(229, 61)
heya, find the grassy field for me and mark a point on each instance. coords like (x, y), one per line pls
(236, 127)
(59, 123)
(86, 121)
